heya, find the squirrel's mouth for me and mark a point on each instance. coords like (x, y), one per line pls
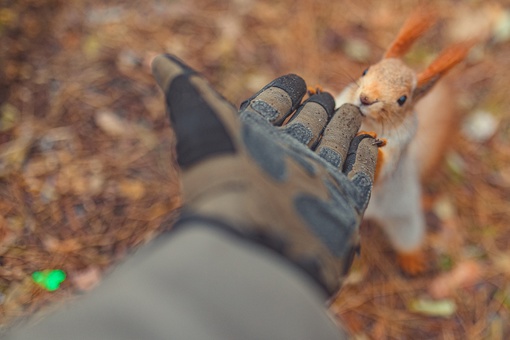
(362, 109)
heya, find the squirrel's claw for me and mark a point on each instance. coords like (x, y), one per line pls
(380, 142)
(314, 90)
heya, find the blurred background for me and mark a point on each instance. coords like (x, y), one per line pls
(86, 155)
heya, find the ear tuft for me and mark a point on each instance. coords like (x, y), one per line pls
(445, 61)
(414, 27)
(440, 66)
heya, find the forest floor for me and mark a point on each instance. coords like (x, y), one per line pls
(87, 168)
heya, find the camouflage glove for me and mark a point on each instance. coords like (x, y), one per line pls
(299, 189)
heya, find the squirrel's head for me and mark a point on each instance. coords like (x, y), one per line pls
(385, 92)
(388, 90)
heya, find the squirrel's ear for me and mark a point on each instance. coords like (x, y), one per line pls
(414, 27)
(439, 67)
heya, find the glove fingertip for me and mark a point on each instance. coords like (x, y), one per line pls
(293, 84)
(166, 67)
(326, 100)
(278, 99)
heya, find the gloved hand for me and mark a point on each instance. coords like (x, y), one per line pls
(298, 189)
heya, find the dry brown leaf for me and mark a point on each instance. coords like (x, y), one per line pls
(132, 189)
(88, 279)
(438, 308)
(55, 85)
(66, 246)
(111, 124)
(465, 274)
(12, 154)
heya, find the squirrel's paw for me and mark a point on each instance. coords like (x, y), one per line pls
(314, 90)
(380, 142)
(413, 263)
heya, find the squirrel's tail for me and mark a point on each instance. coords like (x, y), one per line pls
(438, 121)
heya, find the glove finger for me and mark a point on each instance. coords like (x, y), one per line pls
(200, 117)
(360, 166)
(278, 99)
(338, 134)
(312, 116)
(362, 156)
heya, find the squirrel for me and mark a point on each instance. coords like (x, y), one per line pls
(386, 94)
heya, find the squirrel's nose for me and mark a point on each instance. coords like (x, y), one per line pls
(365, 100)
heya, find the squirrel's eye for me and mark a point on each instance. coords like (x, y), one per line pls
(364, 72)
(401, 100)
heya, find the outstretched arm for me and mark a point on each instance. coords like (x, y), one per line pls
(268, 229)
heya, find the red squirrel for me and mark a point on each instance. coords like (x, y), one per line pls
(386, 94)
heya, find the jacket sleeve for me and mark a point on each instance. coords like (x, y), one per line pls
(195, 283)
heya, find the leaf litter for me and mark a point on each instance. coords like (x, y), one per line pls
(87, 170)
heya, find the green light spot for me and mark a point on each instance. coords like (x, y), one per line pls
(49, 279)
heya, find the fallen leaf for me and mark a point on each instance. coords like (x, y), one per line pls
(502, 27)
(66, 246)
(480, 126)
(464, 274)
(87, 279)
(13, 154)
(441, 308)
(502, 263)
(9, 116)
(132, 189)
(111, 124)
(357, 50)
(496, 328)
(91, 46)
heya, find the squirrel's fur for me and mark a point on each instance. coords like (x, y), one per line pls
(386, 95)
